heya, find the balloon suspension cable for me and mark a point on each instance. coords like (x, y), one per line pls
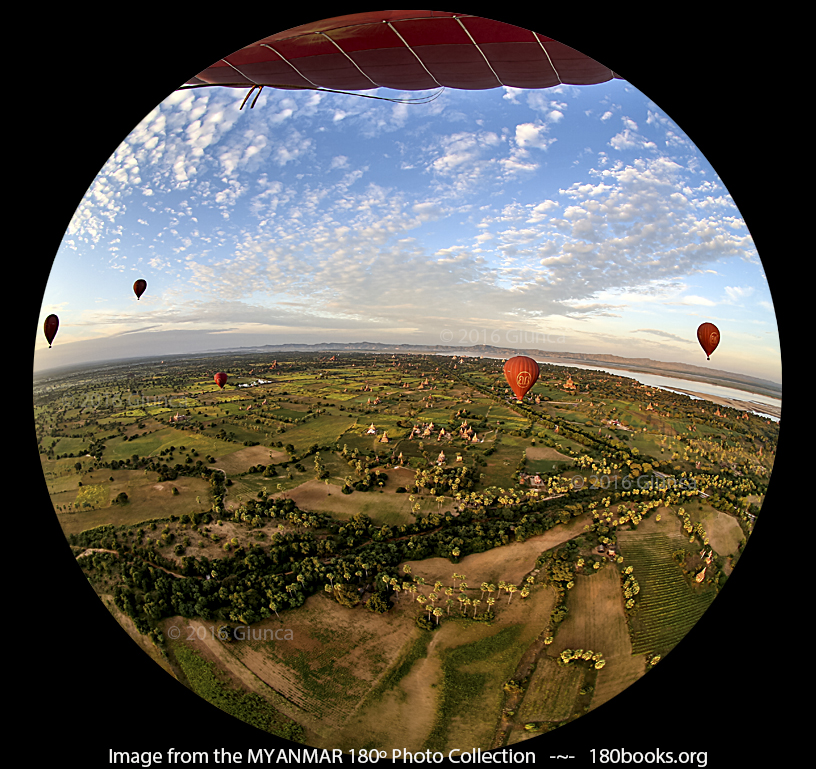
(419, 100)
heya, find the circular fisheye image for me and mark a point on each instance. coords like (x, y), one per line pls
(407, 384)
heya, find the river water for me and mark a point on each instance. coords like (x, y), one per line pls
(676, 384)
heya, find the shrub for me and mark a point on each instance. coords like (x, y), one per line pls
(378, 604)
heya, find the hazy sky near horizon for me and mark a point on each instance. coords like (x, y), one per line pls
(574, 219)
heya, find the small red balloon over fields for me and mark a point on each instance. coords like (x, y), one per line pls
(708, 335)
(50, 327)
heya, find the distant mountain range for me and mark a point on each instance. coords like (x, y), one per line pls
(639, 365)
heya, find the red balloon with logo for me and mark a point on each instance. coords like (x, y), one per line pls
(521, 373)
(221, 379)
(708, 335)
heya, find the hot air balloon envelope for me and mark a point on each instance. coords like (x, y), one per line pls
(521, 373)
(708, 335)
(50, 327)
(139, 287)
(407, 51)
(221, 379)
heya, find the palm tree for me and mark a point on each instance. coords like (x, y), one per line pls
(475, 603)
(437, 612)
(511, 589)
(484, 587)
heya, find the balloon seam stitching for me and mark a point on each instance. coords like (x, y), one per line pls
(266, 45)
(239, 71)
(476, 46)
(416, 55)
(546, 53)
(376, 85)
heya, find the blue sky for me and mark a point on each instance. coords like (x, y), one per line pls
(576, 219)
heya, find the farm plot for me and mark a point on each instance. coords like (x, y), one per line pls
(596, 620)
(323, 431)
(552, 691)
(335, 656)
(667, 606)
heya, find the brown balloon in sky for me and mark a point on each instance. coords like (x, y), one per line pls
(521, 373)
(139, 287)
(50, 327)
(708, 335)
(221, 379)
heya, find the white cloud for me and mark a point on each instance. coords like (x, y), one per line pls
(738, 293)
(533, 135)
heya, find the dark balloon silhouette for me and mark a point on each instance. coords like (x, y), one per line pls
(708, 335)
(221, 379)
(139, 287)
(50, 327)
(521, 373)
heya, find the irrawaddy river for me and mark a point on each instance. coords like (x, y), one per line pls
(678, 385)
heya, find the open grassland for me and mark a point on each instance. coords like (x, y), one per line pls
(383, 508)
(667, 606)
(723, 530)
(147, 499)
(241, 460)
(510, 563)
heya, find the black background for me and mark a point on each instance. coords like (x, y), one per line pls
(87, 687)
